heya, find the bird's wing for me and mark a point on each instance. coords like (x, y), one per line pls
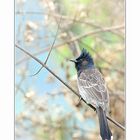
(92, 87)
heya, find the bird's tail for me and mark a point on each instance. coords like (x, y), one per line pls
(104, 128)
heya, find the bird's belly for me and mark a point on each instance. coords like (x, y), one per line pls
(92, 99)
(87, 97)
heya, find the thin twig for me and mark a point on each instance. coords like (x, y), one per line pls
(49, 50)
(75, 39)
(91, 23)
(73, 19)
(109, 118)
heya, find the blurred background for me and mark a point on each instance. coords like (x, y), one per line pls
(45, 109)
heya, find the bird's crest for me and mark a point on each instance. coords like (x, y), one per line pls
(84, 54)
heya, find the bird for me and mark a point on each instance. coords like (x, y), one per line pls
(92, 88)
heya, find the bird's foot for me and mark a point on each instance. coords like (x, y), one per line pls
(79, 102)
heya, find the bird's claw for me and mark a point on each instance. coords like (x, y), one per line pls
(79, 101)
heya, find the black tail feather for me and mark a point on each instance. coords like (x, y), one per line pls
(104, 128)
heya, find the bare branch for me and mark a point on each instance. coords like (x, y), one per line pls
(73, 19)
(109, 118)
(75, 39)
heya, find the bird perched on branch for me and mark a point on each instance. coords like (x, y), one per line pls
(92, 89)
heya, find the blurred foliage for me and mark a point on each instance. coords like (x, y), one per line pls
(45, 109)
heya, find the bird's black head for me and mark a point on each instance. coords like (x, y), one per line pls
(84, 61)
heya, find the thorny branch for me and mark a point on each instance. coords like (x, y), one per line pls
(109, 118)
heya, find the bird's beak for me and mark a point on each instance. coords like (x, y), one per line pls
(73, 60)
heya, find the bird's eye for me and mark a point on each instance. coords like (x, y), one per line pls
(79, 60)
